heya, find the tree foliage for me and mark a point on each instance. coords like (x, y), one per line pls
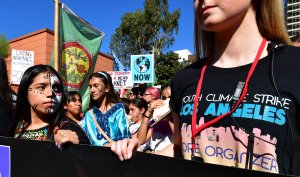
(4, 46)
(166, 66)
(144, 30)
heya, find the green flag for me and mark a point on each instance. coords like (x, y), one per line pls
(80, 43)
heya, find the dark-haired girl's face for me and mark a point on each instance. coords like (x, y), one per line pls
(45, 93)
(74, 106)
(166, 93)
(135, 113)
(97, 88)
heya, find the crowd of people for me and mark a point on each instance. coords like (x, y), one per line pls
(240, 100)
(44, 110)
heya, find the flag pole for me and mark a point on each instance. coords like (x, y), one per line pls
(56, 36)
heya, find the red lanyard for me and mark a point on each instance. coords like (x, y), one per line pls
(195, 130)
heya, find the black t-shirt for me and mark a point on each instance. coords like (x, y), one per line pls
(262, 112)
(69, 124)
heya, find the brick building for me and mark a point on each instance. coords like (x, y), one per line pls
(41, 42)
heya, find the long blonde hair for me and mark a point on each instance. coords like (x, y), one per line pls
(269, 19)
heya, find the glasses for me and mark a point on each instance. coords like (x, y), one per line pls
(136, 94)
(145, 94)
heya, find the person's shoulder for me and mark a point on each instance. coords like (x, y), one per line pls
(120, 106)
(196, 65)
(89, 112)
(287, 57)
(286, 61)
(117, 105)
(66, 123)
(190, 70)
(64, 118)
(287, 51)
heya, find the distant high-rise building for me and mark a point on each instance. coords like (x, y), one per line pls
(292, 12)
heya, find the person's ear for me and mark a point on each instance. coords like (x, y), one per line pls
(143, 111)
(107, 88)
(66, 106)
(153, 97)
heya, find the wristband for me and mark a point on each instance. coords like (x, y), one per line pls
(147, 116)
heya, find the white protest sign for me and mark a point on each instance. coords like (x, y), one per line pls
(121, 78)
(20, 61)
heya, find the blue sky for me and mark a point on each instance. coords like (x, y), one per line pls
(20, 17)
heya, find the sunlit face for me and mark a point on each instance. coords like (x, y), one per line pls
(74, 106)
(148, 97)
(135, 113)
(45, 93)
(217, 15)
(166, 93)
(97, 88)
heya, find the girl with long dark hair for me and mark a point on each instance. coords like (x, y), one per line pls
(138, 108)
(39, 108)
(6, 100)
(72, 119)
(106, 120)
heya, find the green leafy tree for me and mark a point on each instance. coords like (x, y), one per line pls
(4, 46)
(166, 66)
(145, 30)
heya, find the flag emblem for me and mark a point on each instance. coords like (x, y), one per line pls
(76, 63)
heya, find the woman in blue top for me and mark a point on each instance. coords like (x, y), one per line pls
(105, 112)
